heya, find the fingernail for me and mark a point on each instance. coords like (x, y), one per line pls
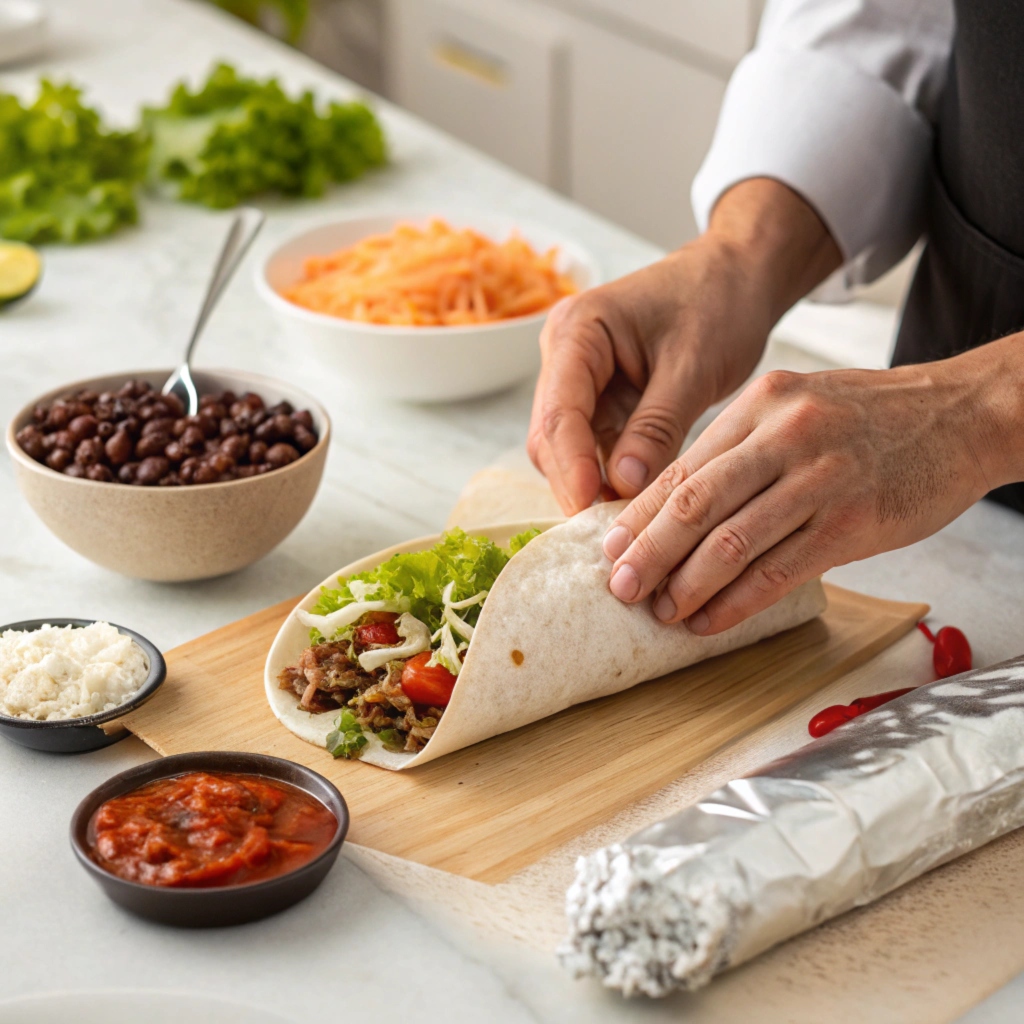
(664, 607)
(633, 471)
(616, 540)
(698, 623)
(625, 584)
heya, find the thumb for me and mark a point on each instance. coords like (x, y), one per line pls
(653, 434)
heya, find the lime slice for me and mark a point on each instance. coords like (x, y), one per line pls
(20, 267)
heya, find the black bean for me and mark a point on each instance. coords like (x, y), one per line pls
(305, 440)
(153, 444)
(89, 452)
(83, 426)
(31, 440)
(151, 470)
(119, 448)
(280, 455)
(59, 459)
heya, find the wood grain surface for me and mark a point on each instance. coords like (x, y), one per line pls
(490, 810)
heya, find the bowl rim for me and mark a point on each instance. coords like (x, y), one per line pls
(153, 681)
(580, 256)
(23, 458)
(179, 764)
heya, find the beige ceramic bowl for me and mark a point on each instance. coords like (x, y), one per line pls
(175, 533)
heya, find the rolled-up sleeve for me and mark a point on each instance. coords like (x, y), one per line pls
(836, 101)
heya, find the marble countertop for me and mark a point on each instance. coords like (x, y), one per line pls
(128, 303)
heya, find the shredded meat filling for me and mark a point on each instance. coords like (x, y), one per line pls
(327, 678)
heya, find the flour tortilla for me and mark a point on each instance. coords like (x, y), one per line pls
(550, 635)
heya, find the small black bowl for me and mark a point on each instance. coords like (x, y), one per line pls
(78, 735)
(213, 907)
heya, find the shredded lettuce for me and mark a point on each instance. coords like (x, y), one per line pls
(237, 137)
(392, 739)
(347, 739)
(447, 654)
(64, 176)
(471, 564)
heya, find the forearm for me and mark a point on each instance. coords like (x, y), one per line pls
(991, 380)
(777, 239)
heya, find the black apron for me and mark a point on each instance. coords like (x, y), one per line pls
(969, 285)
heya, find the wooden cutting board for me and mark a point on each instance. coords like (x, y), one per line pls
(495, 808)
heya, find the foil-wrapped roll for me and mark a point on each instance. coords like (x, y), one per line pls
(842, 821)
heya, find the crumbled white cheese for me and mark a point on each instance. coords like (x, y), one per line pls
(417, 639)
(66, 672)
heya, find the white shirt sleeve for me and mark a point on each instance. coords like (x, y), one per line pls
(837, 100)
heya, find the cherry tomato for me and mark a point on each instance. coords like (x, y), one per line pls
(952, 654)
(427, 684)
(378, 633)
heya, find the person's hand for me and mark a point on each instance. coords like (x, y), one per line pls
(630, 366)
(804, 472)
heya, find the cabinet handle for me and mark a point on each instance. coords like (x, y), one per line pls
(470, 60)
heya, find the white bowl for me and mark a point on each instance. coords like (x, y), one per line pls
(423, 364)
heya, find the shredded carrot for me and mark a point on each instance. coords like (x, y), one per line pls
(432, 276)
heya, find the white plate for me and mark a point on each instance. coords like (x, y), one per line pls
(151, 1007)
(22, 30)
(421, 364)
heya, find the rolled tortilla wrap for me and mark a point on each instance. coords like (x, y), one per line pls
(549, 636)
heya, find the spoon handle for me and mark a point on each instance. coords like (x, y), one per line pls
(244, 229)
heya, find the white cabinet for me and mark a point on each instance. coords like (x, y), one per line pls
(492, 73)
(639, 126)
(611, 101)
(720, 28)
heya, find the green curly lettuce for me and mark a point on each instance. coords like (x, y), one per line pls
(473, 563)
(64, 176)
(237, 137)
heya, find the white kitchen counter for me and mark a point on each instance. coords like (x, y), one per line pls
(350, 951)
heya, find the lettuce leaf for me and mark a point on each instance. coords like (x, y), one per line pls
(237, 137)
(64, 176)
(392, 739)
(473, 563)
(347, 739)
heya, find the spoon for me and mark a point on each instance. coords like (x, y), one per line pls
(244, 229)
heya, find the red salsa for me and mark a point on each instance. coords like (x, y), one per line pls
(205, 829)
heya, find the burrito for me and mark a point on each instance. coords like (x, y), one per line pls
(399, 660)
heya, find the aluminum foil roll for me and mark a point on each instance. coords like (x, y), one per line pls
(842, 821)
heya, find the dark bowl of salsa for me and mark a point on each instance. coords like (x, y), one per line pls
(210, 839)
